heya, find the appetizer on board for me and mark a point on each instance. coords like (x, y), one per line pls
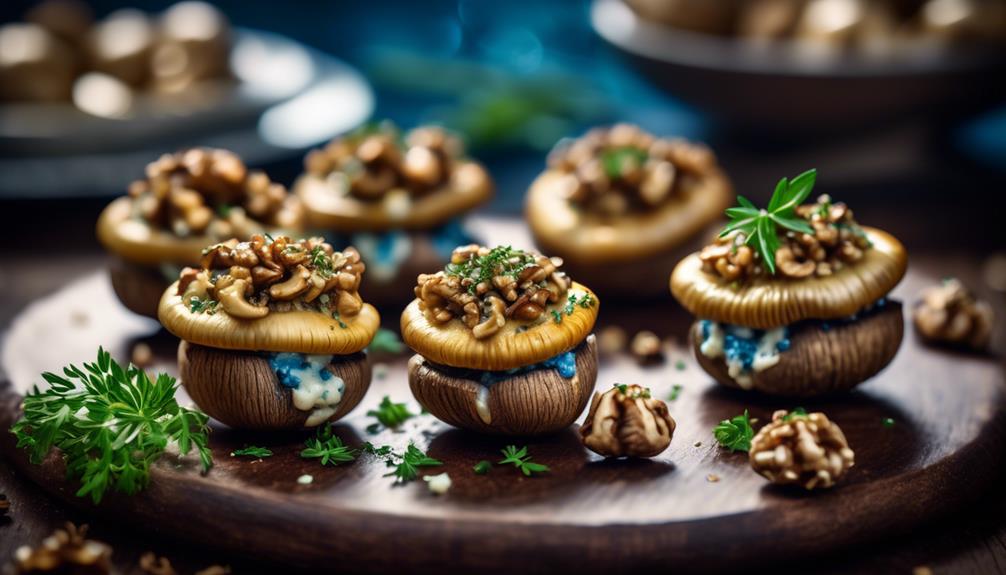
(503, 342)
(187, 201)
(793, 299)
(399, 198)
(618, 203)
(273, 332)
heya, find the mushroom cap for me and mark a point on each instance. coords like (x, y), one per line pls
(453, 344)
(532, 403)
(298, 331)
(559, 228)
(139, 288)
(242, 390)
(134, 240)
(767, 302)
(819, 362)
(469, 186)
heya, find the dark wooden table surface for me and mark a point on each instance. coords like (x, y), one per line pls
(971, 541)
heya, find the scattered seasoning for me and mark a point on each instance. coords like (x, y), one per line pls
(390, 414)
(482, 467)
(675, 392)
(438, 484)
(201, 305)
(386, 341)
(887, 422)
(520, 459)
(713, 478)
(142, 355)
(585, 302)
(680, 365)
(338, 318)
(252, 451)
(305, 479)
(646, 348)
(327, 447)
(735, 433)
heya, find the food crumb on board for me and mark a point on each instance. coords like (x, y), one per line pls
(305, 479)
(712, 478)
(438, 484)
(698, 444)
(142, 355)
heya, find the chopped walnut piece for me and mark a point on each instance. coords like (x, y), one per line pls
(623, 168)
(626, 421)
(487, 287)
(251, 278)
(950, 313)
(803, 449)
(65, 551)
(647, 348)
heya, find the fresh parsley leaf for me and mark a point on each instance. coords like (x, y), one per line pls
(200, 305)
(797, 412)
(761, 227)
(520, 459)
(482, 467)
(556, 316)
(327, 447)
(252, 451)
(735, 433)
(675, 392)
(391, 414)
(110, 426)
(406, 468)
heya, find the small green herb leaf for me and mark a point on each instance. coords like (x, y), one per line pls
(327, 447)
(735, 433)
(391, 414)
(482, 467)
(797, 412)
(252, 451)
(520, 459)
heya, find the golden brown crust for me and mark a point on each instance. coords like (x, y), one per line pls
(306, 332)
(765, 303)
(453, 344)
(561, 229)
(469, 187)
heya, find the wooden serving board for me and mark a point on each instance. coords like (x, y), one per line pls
(588, 514)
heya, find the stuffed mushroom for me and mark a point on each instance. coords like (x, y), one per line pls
(503, 342)
(273, 332)
(793, 299)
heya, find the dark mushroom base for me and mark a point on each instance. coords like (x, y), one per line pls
(139, 288)
(241, 389)
(822, 360)
(531, 403)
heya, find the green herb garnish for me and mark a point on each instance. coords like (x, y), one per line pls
(110, 426)
(200, 305)
(797, 412)
(675, 392)
(382, 451)
(585, 301)
(556, 316)
(391, 414)
(321, 262)
(521, 460)
(761, 227)
(224, 210)
(735, 433)
(482, 467)
(624, 390)
(406, 465)
(337, 317)
(887, 422)
(500, 261)
(327, 447)
(616, 160)
(386, 341)
(252, 451)
(680, 365)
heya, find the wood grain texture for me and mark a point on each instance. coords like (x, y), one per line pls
(533, 403)
(588, 514)
(241, 389)
(138, 288)
(818, 361)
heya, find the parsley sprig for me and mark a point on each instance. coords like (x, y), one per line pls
(761, 227)
(252, 451)
(389, 414)
(735, 433)
(520, 459)
(406, 464)
(111, 425)
(327, 447)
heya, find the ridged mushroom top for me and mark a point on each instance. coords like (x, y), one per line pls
(789, 262)
(272, 294)
(497, 308)
(377, 179)
(190, 199)
(621, 193)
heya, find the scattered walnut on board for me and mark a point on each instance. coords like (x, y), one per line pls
(802, 449)
(647, 348)
(950, 313)
(67, 550)
(626, 421)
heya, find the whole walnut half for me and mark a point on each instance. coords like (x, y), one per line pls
(801, 448)
(950, 313)
(626, 421)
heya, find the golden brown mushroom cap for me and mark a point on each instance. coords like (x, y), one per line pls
(453, 344)
(768, 302)
(561, 229)
(468, 187)
(298, 331)
(137, 242)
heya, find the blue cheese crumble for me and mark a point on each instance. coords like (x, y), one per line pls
(746, 351)
(313, 386)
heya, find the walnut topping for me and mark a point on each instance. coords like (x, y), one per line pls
(620, 169)
(837, 241)
(627, 421)
(65, 551)
(249, 279)
(950, 313)
(805, 449)
(372, 164)
(210, 192)
(487, 287)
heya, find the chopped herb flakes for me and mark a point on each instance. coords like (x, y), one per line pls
(252, 451)
(500, 261)
(520, 459)
(391, 414)
(200, 305)
(328, 448)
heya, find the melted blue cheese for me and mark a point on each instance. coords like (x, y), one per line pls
(564, 364)
(746, 351)
(313, 386)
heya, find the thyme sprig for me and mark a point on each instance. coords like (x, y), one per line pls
(520, 459)
(761, 227)
(111, 424)
(327, 447)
